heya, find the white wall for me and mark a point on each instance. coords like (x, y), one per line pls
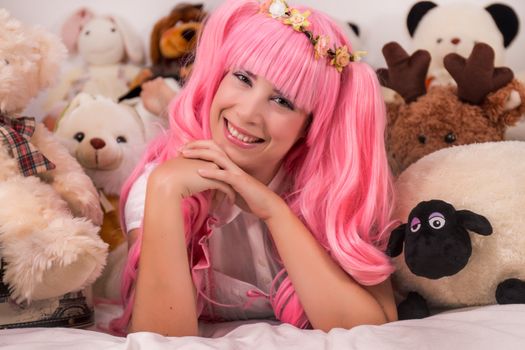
(381, 21)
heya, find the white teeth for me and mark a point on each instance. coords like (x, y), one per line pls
(239, 136)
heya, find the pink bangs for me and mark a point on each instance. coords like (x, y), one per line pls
(288, 60)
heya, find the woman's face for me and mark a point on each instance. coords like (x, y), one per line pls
(254, 123)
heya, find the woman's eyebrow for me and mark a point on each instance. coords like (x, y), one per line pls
(254, 77)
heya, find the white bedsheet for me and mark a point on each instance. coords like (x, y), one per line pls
(492, 327)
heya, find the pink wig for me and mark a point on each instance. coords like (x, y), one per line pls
(341, 182)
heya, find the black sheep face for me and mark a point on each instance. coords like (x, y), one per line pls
(437, 243)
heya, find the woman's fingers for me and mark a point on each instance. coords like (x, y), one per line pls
(220, 186)
(210, 155)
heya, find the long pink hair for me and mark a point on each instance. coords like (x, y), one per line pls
(341, 186)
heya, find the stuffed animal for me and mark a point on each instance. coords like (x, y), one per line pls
(172, 48)
(48, 235)
(485, 101)
(110, 52)
(455, 28)
(107, 139)
(462, 243)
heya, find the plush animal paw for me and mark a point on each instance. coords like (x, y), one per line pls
(65, 256)
(414, 306)
(84, 202)
(511, 291)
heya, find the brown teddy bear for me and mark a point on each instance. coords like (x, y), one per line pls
(485, 101)
(172, 44)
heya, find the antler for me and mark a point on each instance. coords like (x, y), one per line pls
(405, 74)
(476, 76)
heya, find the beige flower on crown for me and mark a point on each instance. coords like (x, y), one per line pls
(298, 20)
(277, 8)
(322, 46)
(341, 59)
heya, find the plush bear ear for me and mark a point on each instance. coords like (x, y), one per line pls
(474, 222)
(78, 100)
(416, 13)
(506, 20)
(355, 28)
(395, 243)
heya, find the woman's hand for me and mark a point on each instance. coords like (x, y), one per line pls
(261, 201)
(180, 176)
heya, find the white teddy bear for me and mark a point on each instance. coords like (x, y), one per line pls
(48, 235)
(108, 140)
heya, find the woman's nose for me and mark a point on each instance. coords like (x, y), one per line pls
(252, 108)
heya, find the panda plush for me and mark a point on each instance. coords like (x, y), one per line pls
(455, 28)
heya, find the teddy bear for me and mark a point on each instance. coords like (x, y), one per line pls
(461, 242)
(48, 228)
(485, 101)
(108, 140)
(110, 54)
(455, 28)
(172, 48)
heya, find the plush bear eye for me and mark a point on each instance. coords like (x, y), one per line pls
(79, 136)
(422, 139)
(450, 137)
(121, 139)
(436, 221)
(113, 29)
(87, 32)
(415, 225)
(439, 40)
(6, 61)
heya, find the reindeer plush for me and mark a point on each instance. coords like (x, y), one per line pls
(486, 100)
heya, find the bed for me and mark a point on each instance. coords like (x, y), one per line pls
(489, 327)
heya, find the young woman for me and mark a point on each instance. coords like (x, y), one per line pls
(270, 195)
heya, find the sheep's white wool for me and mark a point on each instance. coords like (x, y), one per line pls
(488, 179)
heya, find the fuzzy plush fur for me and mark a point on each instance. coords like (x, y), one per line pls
(99, 118)
(440, 112)
(48, 236)
(487, 179)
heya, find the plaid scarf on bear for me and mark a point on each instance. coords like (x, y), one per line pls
(17, 132)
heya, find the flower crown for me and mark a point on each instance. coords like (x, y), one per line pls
(339, 56)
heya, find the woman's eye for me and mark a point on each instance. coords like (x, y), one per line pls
(284, 102)
(243, 77)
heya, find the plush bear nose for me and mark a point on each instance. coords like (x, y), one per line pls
(97, 143)
(188, 34)
(455, 41)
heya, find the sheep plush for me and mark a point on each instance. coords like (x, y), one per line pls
(107, 139)
(484, 103)
(455, 28)
(463, 241)
(110, 52)
(48, 235)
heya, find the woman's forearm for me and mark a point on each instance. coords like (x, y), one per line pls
(330, 297)
(165, 294)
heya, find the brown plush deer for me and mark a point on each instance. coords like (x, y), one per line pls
(485, 101)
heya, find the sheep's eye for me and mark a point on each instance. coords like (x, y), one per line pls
(415, 225)
(439, 40)
(87, 32)
(113, 29)
(79, 136)
(450, 137)
(121, 139)
(436, 221)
